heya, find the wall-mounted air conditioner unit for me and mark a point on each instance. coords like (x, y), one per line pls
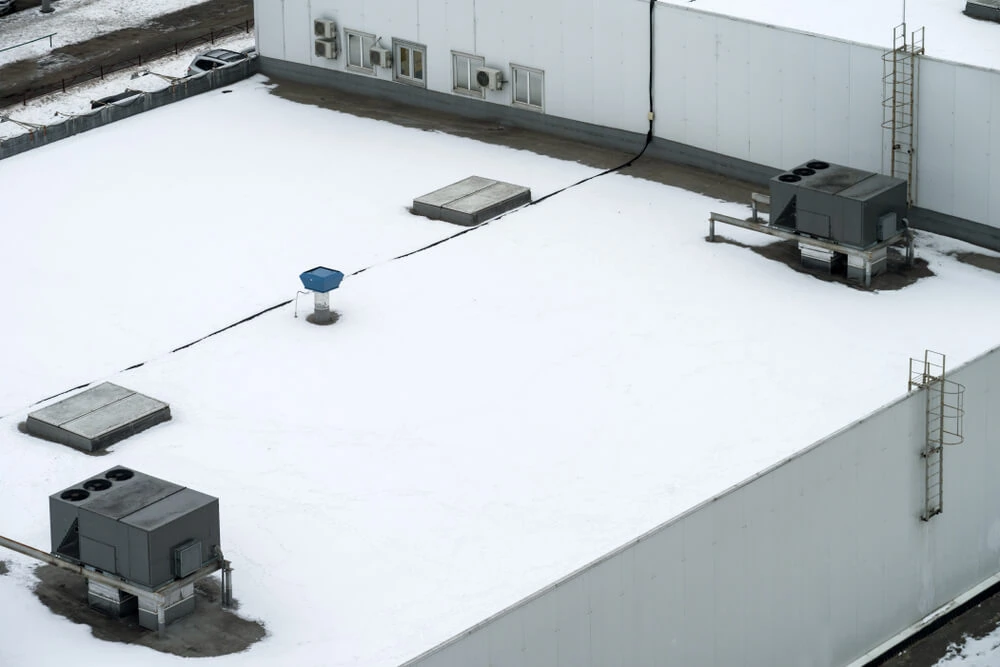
(380, 56)
(328, 48)
(324, 28)
(489, 78)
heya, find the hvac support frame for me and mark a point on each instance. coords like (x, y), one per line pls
(159, 595)
(865, 254)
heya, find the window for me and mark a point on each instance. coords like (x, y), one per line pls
(358, 50)
(529, 84)
(409, 62)
(463, 74)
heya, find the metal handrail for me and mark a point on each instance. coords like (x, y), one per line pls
(31, 41)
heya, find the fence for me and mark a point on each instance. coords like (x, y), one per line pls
(181, 89)
(104, 69)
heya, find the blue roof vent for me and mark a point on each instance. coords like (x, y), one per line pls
(321, 279)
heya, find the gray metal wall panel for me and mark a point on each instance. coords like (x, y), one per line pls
(200, 524)
(138, 548)
(826, 551)
(98, 554)
(540, 643)
(269, 27)
(993, 184)
(606, 608)
(697, 599)
(506, 640)
(573, 623)
(61, 517)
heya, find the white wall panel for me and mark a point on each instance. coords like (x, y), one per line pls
(993, 181)
(620, 44)
(268, 23)
(731, 88)
(572, 82)
(797, 69)
(765, 109)
(936, 136)
(402, 18)
(765, 94)
(701, 121)
(864, 134)
(971, 157)
(298, 32)
(832, 107)
(670, 72)
(459, 26)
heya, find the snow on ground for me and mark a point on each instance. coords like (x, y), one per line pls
(75, 21)
(950, 35)
(487, 415)
(982, 652)
(148, 77)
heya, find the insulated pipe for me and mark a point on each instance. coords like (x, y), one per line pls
(159, 595)
(72, 567)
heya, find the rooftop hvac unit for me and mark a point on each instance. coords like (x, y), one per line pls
(380, 56)
(324, 28)
(845, 205)
(328, 48)
(489, 78)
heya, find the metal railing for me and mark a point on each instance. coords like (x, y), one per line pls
(31, 41)
(102, 70)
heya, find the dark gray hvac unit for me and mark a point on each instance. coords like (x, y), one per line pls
(848, 206)
(140, 528)
(983, 9)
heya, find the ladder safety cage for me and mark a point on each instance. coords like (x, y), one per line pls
(945, 412)
(899, 99)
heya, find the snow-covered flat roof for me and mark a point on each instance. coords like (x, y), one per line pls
(486, 416)
(950, 34)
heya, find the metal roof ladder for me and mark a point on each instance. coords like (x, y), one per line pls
(899, 99)
(944, 406)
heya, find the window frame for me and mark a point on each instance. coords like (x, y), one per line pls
(524, 70)
(397, 62)
(473, 62)
(365, 51)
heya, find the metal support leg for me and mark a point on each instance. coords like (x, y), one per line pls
(711, 229)
(868, 271)
(227, 586)
(161, 619)
(909, 249)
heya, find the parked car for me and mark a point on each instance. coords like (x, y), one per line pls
(213, 59)
(7, 6)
